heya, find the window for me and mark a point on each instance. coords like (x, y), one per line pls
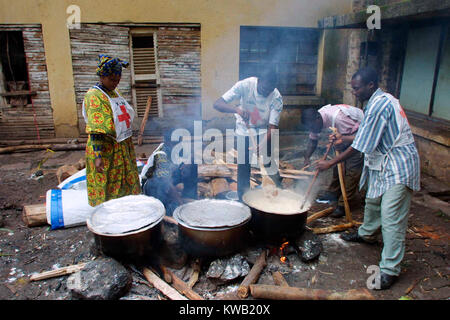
(425, 87)
(292, 51)
(145, 77)
(14, 77)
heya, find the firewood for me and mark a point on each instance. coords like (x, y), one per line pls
(253, 275)
(162, 286)
(195, 273)
(214, 171)
(179, 284)
(279, 280)
(336, 228)
(273, 292)
(58, 272)
(34, 215)
(319, 215)
(219, 185)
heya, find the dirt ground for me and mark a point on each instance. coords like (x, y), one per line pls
(341, 265)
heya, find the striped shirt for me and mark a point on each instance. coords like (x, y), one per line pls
(378, 132)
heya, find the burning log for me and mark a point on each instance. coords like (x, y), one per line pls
(179, 284)
(273, 292)
(162, 286)
(252, 276)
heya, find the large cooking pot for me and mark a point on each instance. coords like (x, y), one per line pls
(275, 217)
(212, 227)
(128, 228)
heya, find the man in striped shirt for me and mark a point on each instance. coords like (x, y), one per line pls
(391, 172)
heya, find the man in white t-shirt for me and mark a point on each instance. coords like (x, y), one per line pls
(259, 109)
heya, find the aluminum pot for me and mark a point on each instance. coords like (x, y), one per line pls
(213, 241)
(128, 228)
(130, 246)
(274, 225)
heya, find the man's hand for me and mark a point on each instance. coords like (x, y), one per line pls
(323, 165)
(244, 114)
(336, 137)
(99, 165)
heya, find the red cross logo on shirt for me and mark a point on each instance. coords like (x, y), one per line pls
(255, 116)
(124, 116)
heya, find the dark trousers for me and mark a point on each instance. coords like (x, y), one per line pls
(244, 169)
(243, 173)
(352, 174)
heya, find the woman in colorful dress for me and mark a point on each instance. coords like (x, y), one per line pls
(111, 169)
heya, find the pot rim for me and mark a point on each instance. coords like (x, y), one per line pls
(129, 233)
(245, 195)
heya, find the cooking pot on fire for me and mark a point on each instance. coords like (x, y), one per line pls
(128, 228)
(212, 227)
(276, 215)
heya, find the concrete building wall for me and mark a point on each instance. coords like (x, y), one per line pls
(220, 24)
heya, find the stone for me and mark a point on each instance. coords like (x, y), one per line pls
(228, 269)
(310, 246)
(101, 279)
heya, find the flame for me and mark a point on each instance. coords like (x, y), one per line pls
(283, 258)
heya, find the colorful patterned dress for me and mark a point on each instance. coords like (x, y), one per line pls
(120, 175)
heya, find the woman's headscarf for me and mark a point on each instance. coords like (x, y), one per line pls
(108, 65)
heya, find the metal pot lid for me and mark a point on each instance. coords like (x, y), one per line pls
(126, 214)
(212, 213)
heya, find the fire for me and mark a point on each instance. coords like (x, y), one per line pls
(283, 258)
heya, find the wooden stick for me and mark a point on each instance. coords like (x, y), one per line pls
(144, 120)
(57, 272)
(179, 284)
(162, 286)
(34, 215)
(319, 215)
(279, 280)
(348, 214)
(336, 228)
(297, 172)
(170, 220)
(315, 176)
(196, 267)
(253, 275)
(263, 291)
(34, 147)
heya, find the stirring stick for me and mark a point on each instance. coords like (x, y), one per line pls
(315, 176)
